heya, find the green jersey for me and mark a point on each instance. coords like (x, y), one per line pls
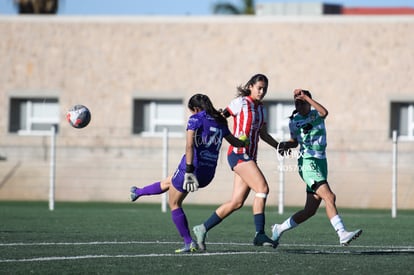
(310, 133)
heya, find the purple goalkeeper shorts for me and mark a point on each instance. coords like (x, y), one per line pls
(204, 177)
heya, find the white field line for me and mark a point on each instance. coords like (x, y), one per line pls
(41, 259)
(409, 249)
(208, 243)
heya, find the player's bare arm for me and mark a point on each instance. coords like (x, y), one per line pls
(189, 147)
(266, 137)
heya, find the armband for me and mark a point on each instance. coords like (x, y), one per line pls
(225, 113)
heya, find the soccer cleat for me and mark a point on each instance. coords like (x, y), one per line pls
(263, 240)
(200, 233)
(134, 195)
(275, 232)
(347, 237)
(189, 247)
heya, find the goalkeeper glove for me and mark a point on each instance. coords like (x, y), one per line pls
(190, 182)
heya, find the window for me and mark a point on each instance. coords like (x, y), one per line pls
(402, 120)
(152, 116)
(33, 115)
(278, 113)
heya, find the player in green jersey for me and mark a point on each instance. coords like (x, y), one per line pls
(307, 129)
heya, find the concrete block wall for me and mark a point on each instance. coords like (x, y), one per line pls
(355, 66)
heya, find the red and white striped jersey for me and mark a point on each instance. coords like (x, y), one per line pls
(248, 118)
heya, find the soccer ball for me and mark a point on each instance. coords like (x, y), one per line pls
(78, 116)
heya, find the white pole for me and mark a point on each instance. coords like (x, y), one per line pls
(394, 173)
(281, 181)
(281, 185)
(52, 168)
(164, 168)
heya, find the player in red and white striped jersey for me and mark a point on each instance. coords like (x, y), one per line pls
(249, 120)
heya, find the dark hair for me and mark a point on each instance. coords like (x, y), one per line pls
(306, 92)
(245, 90)
(204, 103)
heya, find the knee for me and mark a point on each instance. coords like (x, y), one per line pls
(264, 189)
(165, 184)
(237, 205)
(174, 202)
(330, 198)
(310, 212)
(173, 205)
(262, 192)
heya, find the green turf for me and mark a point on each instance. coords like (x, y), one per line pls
(134, 238)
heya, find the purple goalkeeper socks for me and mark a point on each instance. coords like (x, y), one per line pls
(181, 223)
(152, 189)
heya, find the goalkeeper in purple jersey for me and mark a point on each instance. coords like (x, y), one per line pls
(206, 129)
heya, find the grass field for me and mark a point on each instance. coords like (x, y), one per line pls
(134, 238)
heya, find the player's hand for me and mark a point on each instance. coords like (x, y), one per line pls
(245, 140)
(282, 149)
(190, 182)
(298, 94)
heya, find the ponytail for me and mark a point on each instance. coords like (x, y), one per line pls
(204, 103)
(293, 114)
